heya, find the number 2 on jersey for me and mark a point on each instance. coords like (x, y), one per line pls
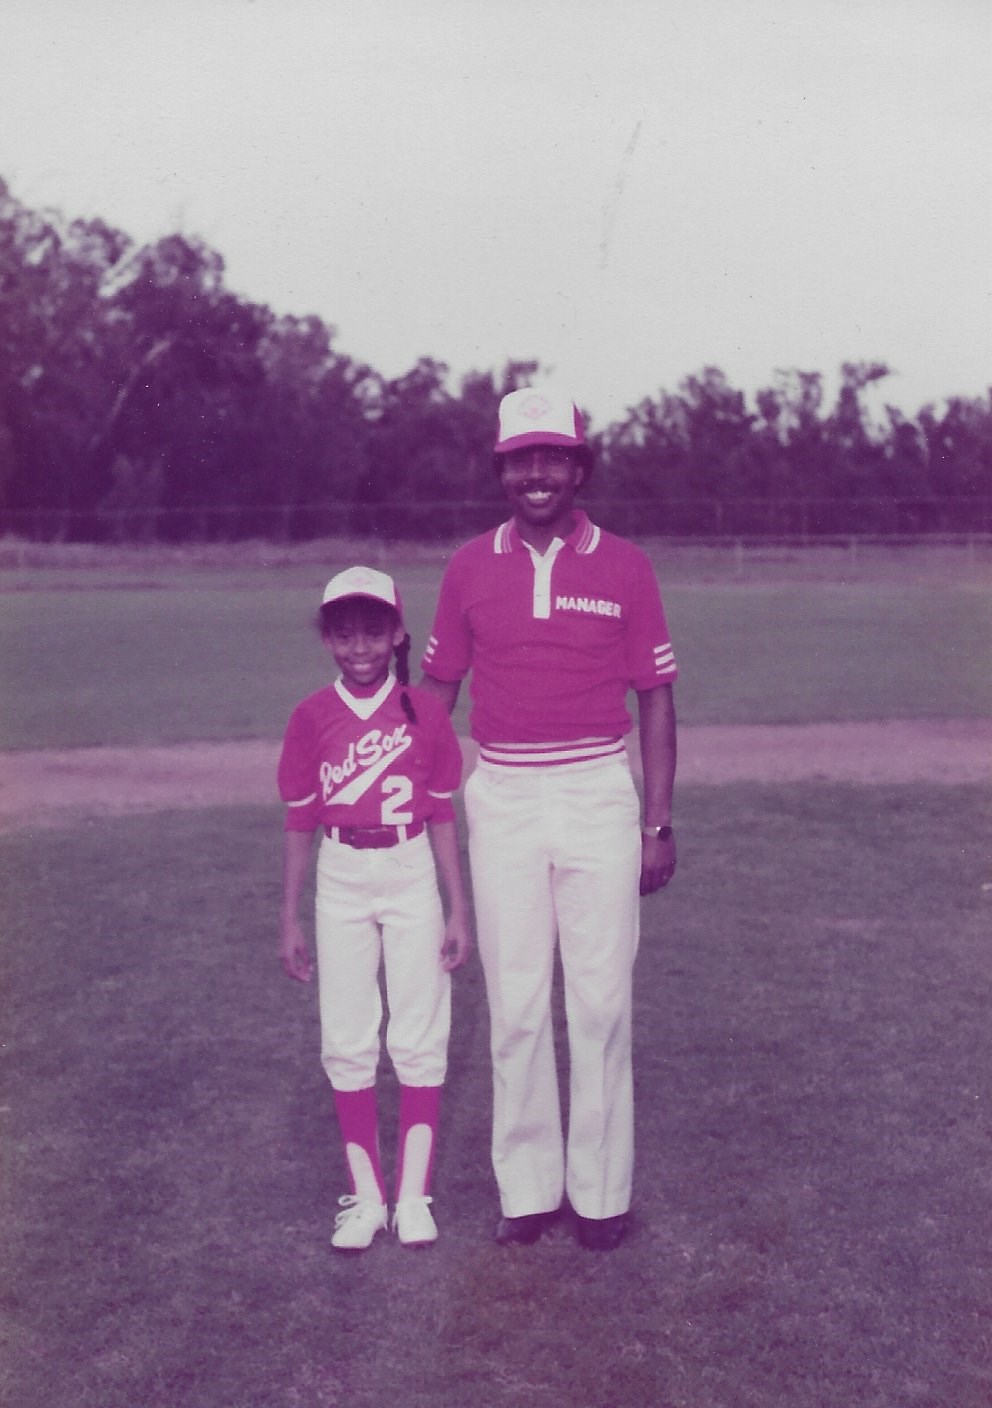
(401, 790)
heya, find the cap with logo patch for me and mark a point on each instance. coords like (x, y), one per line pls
(532, 417)
(363, 581)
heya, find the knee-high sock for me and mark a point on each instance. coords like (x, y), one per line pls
(356, 1111)
(419, 1106)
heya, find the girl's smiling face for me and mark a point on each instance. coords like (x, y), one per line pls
(362, 640)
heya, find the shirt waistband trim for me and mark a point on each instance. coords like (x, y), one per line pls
(542, 755)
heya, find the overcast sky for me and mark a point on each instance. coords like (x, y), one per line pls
(627, 191)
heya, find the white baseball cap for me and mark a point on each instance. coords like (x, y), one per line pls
(531, 416)
(363, 581)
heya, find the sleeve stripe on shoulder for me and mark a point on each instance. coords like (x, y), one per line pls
(304, 802)
(664, 658)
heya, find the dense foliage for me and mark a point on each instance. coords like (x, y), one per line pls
(139, 398)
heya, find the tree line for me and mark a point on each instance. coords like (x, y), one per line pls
(141, 398)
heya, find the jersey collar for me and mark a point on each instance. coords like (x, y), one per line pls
(365, 705)
(584, 537)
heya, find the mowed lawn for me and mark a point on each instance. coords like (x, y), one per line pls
(173, 654)
(813, 1209)
(814, 1183)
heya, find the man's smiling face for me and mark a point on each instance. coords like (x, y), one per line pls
(540, 481)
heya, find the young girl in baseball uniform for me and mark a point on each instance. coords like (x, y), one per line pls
(371, 763)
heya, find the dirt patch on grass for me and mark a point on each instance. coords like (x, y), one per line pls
(51, 788)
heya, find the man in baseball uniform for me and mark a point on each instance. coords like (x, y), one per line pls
(556, 620)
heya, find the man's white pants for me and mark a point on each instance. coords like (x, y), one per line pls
(381, 906)
(555, 852)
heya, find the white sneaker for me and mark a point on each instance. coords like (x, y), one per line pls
(413, 1223)
(357, 1223)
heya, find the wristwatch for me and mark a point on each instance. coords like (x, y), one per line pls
(663, 833)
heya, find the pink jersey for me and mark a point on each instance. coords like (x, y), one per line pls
(349, 761)
(553, 643)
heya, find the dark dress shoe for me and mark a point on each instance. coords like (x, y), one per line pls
(601, 1234)
(523, 1231)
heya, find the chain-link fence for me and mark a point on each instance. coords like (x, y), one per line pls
(803, 520)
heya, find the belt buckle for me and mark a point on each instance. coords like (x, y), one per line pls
(370, 838)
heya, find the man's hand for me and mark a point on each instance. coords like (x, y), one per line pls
(446, 690)
(657, 863)
(457, 944)
(293, 952)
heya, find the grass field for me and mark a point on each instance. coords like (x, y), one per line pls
(814, 1183)
(814, 1197)
(138, 654)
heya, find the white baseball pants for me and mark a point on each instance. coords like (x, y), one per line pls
(372, 906)
(555, 853)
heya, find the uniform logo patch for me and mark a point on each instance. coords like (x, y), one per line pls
(535, 407)
(362, 764)
(363, 577)
(588, 606)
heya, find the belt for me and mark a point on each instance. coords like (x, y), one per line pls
(373, 838)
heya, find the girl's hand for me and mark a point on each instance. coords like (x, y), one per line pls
(293, 952)
(457, 943)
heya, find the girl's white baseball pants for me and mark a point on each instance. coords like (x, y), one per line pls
(372, 906)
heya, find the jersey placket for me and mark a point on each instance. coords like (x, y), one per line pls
(543, 564)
